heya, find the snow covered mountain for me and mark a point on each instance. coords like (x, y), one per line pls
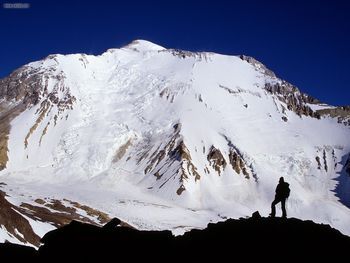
(163, 139)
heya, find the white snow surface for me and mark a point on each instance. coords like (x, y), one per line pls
(137, 94)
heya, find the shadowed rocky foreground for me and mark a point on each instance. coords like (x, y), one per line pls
(272, 239)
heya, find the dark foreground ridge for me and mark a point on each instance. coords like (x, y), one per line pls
(272, 239)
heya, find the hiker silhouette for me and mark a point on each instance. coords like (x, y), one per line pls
(282, 193)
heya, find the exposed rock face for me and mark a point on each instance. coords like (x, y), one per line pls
(326, 158)
(25, 88)
(342, 113)
(181, 188)
(297, 101)
(22, 85)
(57, 212)
(347, 165)
(293, 98)
(218, 162)
(258, 65)
(237, 163)
(325, 161)
(15, 223)
(187, 167)
(21, 89)
(169, 156)
(187, 54)
(30, 87)
(216, 159)
(7, 114)
(318, 162)
(121, 151)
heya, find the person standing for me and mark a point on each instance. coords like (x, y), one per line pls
(282, 193)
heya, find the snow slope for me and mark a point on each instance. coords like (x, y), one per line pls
(170, 139)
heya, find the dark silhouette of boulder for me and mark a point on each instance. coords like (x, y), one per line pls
(17, 253)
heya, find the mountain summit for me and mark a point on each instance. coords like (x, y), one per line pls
(144, 45)
(164, 139)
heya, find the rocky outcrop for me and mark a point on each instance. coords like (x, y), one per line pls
(295, 100)
(23, 85)
(7, 114)
(159, 154)
(237, 163)
(326, 158)
(325, 161)
(57, 212)
(237, 91)
(167, 94)
(318, 163)
(171, 91)
(15, 224)
(181, 188)
(42, 112)
(347, 165)
(119, 154)
(28, 87)
(341, 113)
(199, 56)
(44, 132)
(258, 65)
(171, 155)
(187, 167)
(290, 239)
(216, 160)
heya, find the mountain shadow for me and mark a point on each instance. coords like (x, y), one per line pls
(272, 239)
(343, 182)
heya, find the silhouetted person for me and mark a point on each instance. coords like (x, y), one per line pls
(282, 193)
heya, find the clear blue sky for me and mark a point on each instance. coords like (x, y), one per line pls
(305, 42)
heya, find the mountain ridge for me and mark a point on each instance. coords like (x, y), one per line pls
(269, 238)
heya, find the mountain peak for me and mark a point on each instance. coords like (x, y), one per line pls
(153, 135)
(144, 45)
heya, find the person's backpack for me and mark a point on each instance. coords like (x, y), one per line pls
(286, 190)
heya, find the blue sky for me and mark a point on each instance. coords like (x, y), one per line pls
(305, 42)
